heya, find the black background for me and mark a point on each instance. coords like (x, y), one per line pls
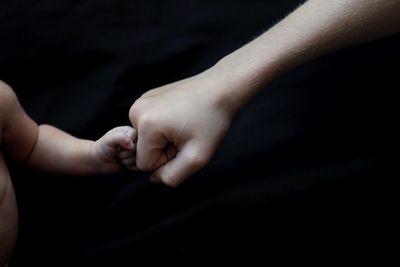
(308, 172)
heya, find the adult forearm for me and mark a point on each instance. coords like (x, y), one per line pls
(58, 152)
(315, 28)
(180, 125)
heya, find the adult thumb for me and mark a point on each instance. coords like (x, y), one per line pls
(150, 150)
(190, 159)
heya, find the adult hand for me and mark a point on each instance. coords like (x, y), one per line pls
(180, 126)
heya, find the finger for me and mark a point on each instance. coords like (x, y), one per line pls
(190, 159)
(131, 132)
(133, 168)
(170, 153)
(127, 154)
(127, 132)
(116, 139)
(129, 161)
(150, 147)
(125, 142)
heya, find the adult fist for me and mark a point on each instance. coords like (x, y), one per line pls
(179, 126)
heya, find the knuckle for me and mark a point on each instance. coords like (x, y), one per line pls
(132, 113)
(147, 124)
(135, 110)
(142, 120)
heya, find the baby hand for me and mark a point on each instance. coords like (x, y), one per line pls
(116, 148)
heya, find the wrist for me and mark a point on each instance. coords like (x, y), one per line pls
(237, 81)
(94, 166)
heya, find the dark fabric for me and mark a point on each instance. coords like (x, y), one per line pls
(308, 172)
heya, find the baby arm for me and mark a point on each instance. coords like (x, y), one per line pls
(58, 152)
(50, 149)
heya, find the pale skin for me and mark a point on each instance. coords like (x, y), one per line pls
(181, 125)
(52, 150)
